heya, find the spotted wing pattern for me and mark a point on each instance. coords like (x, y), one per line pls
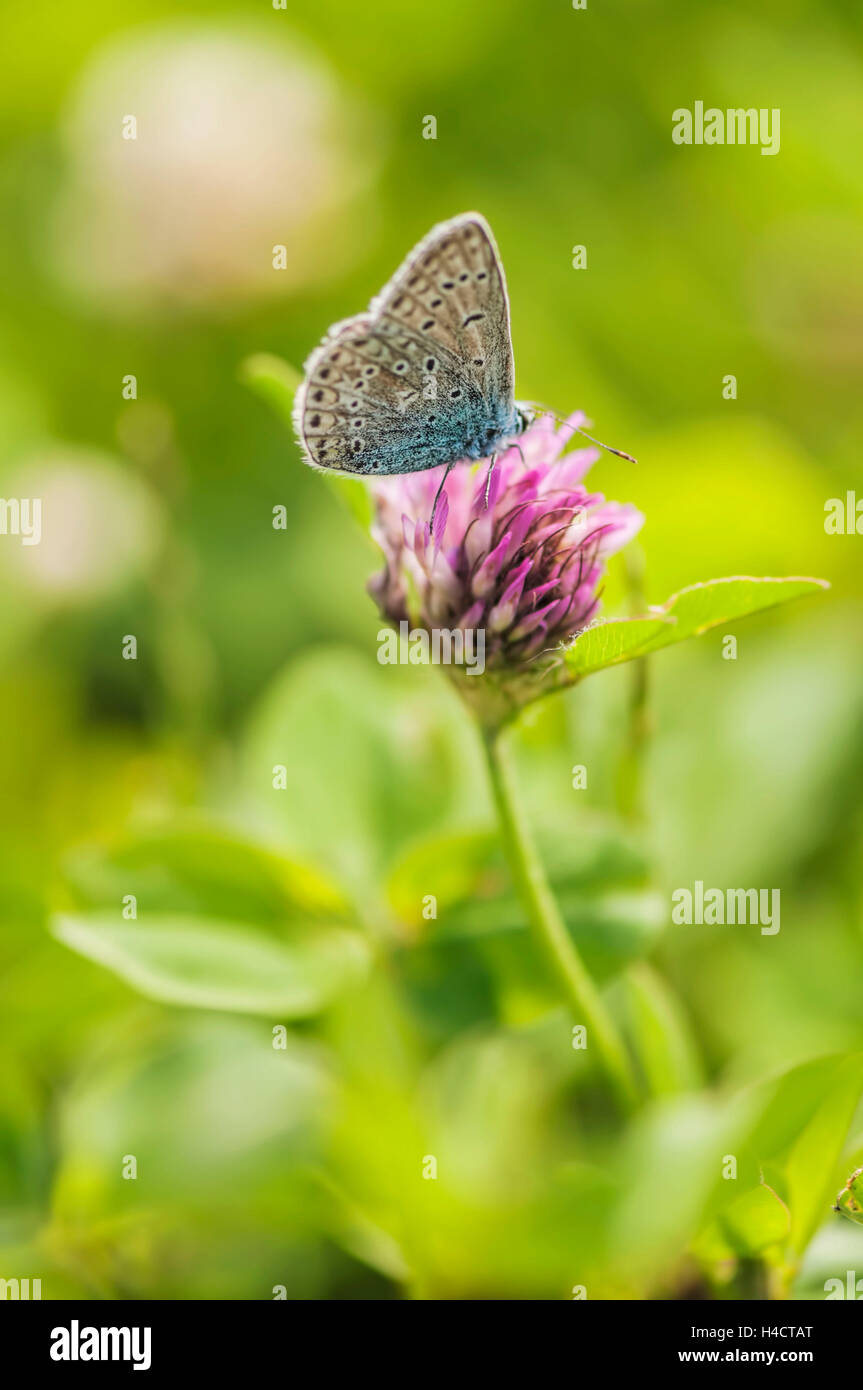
(425, 377)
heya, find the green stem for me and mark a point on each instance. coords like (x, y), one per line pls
(630, 772)
(548, 925)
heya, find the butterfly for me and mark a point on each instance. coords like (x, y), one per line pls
(425, 377)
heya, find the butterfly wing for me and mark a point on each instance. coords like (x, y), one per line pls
(452, 288)
(426, 376)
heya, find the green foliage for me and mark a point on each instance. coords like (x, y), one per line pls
(786, 1163)
(467, 1022)
(218, 965)
(690, 613)
(663, 1039)
(200, 868)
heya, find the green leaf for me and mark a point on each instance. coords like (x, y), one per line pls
(664, 1044)
(755, 1221)
(454, 867)
(207, 964)
(668, 1167)
(200, 869)
(785, 1106)
(793, 1145)
(689, 613)
(366, 768)
(814, 1158)
(273, 379)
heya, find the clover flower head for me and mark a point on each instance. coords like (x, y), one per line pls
(525, 567)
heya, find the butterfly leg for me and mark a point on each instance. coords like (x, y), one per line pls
(449, 468)
(491, 464)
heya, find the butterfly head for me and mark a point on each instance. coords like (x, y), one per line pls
(525, 414)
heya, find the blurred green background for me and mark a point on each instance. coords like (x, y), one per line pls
(302, 1166)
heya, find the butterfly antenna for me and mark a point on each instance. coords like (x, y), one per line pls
(621, 453)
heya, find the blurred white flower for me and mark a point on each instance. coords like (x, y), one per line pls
(100, 526)
(242, 143)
